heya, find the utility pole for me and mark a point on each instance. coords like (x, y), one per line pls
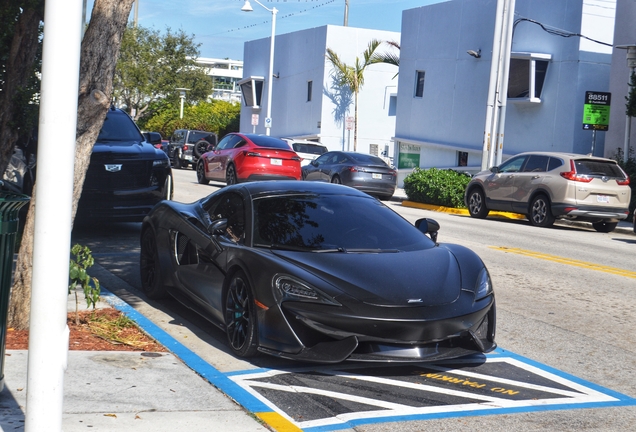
(346, 15)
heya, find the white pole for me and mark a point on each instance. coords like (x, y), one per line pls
(491, 118)
(509, 17)
(270, 77)
(48, 335)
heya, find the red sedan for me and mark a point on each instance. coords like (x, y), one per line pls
(247, 157)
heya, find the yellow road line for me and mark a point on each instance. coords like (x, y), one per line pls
(575, 263)
(277, 422)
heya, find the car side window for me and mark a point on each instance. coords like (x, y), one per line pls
(230, 206)
(536, 163)
(322, 159)
(512, 165)
(554, 163)
(239, 143)
(224, 142)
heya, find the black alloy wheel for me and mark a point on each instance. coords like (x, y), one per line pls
(240, 317)
(230, 175)
(335, 179)
(201, 173)
(540, 212)
(168, 189)
(149, 266)
(477, 204)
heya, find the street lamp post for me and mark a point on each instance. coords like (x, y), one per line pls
(182, 95)
(631, 64)
(247, 7)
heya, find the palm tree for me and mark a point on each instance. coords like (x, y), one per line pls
(390, 57)
(353, 76)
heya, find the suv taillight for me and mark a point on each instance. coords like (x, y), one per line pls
(572, 175)
(624, 182)
(185, 147)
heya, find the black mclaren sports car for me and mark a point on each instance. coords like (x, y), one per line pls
(318, 272)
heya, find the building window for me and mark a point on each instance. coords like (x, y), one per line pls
(309, 86)
(373, 149)
(419, 84)
(462, 158)
(527, 76)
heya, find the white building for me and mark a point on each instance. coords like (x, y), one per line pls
(443, 91)
(225, 75)
(305, 103)
(624, 35)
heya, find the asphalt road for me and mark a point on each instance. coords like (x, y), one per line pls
(565, 299)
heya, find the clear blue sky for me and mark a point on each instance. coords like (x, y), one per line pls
(221, 27)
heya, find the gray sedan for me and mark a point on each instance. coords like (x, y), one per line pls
(361, 171)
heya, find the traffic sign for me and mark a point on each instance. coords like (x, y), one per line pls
(254, 119)
(350, 121)
(268, 122)
(596, 111)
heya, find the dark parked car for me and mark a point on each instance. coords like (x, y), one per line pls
(318, 272)
(126, 177)
(364, 172)
(248, 157)
(186, 146)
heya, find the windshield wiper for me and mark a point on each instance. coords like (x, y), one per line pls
(371, 250)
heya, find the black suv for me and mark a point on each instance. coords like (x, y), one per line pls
(186, 146)
(126, 177)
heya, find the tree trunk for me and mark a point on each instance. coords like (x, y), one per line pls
(100, 50)
(19, 67)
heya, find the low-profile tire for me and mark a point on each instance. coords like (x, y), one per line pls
(149, 266)
(200, 147)
(540, 213)
(385, 197)
(201, 173)
(336, 179)
(176, 161)
(230, 175)
(605, 227)
(241, 323)
(477, 204)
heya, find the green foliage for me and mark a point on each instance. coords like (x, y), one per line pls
(439, 187)
(78, 275)
(630, 169)
(214, 116)
(151, 66)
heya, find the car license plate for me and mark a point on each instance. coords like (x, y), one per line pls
(602, 199)
(276, 161)
(187, 157)
(377, 176)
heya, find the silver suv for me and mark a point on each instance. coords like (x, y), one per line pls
(545, 186)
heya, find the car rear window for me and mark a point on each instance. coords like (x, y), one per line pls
(194, 137)
(362, 158)
(309, 148)
(270, 142)
(598, 168)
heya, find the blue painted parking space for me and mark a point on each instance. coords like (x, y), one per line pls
(316, 398)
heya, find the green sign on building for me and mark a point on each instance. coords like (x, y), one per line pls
(596, 111)
(408, 156)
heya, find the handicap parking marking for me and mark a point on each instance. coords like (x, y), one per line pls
(328, 398)
(322, 398)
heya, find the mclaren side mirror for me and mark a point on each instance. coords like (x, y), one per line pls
(218, 227)
(428, 226)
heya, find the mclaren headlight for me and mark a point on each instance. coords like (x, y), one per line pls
(483, 286)
(292, 289)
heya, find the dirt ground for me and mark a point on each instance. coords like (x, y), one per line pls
(99, 330)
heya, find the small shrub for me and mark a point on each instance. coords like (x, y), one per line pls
(438, 187)
(78, 275)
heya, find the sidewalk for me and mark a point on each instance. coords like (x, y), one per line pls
(125, 391)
